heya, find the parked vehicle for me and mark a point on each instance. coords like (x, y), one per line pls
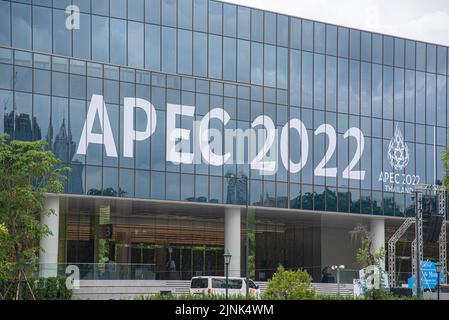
(217, 286)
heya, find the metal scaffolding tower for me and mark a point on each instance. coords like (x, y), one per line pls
(417, 244)
(392, 250)
(442, 238)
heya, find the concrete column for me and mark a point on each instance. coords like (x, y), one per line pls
(377, 227)
(232, 239)
(48, 257)
(337, 247)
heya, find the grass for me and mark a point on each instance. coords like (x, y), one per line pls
(159, 296)
(215, 297)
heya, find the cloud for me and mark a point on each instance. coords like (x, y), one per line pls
(431, 27)
(414, 19)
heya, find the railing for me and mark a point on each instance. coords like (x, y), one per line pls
(134, 271)
(101, 271)
(121, 271)
(346, 275)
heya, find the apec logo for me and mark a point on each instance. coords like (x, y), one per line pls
(399, 157)
(398, 151)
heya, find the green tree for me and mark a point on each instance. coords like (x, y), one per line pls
(290, 285)
(367, 257)
(27, 173)
(445, 157)
(5, 265)
(365, 254)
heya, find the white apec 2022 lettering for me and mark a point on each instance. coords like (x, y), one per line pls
(260, 145)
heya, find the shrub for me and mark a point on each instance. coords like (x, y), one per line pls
(290, 285)
(43, 289)
(189, 297)
(379, 295)
(385, 294)
(335, 297)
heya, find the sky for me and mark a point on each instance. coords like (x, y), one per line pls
(424, 20)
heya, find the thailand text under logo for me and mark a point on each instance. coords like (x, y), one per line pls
(398, 151)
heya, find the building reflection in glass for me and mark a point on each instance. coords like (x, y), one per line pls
(20, 127)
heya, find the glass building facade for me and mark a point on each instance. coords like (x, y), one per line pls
(248, 62)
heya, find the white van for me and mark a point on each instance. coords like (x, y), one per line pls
(217, 286)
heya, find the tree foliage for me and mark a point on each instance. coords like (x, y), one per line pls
(445, 157)
(27, 173)
(367, 257)
(365, 254)
(290, 285)
(5, 265)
